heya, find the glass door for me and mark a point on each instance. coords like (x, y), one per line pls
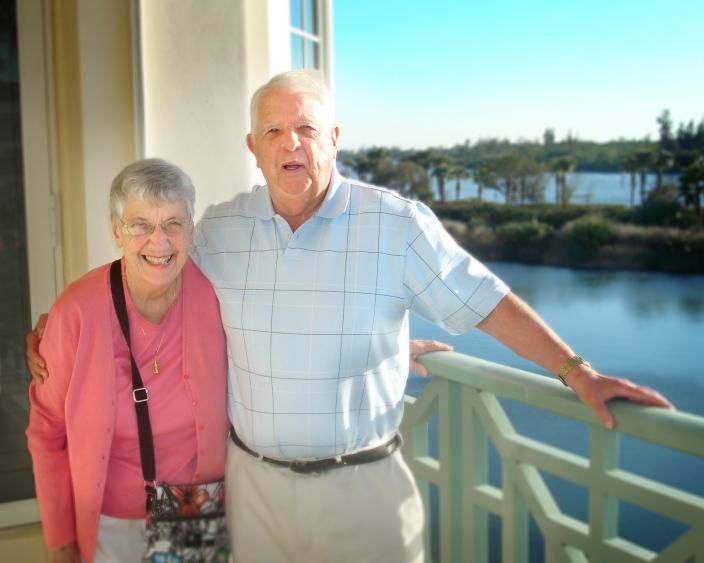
(16, 481)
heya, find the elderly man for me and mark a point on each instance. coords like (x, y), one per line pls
(315, 275)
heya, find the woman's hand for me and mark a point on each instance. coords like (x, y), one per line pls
(35, 363)
(419, 347)
(65, 554)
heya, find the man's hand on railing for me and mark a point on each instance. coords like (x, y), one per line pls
(595, 389)
(419, 347)
(517, 326)
(35, 363)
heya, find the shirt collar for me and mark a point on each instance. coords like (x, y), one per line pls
(334, 204)
(337, 198)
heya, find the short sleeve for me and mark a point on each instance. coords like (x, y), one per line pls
(443, 283)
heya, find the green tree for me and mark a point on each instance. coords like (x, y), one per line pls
(692, 184)
(667, 139)
(631, 166)
(437, 163)
(361, 165)
(560, 167)
(549, 137)
(441, 166)
(506, 169)
(643, 161)
(484, 176)
(531, 182)
(662, 161)
(380, 164)
(458, 173)
(411, 180)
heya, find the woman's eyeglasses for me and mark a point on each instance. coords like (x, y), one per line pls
(171, 228)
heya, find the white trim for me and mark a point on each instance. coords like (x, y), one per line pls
(327, 52)
(305, 35)
(137, 78)
(39, 162)
(19, 513)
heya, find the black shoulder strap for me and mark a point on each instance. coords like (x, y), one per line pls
(139, 392)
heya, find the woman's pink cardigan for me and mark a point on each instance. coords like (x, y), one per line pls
(73, 412)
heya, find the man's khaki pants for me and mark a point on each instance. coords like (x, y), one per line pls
(368, 512)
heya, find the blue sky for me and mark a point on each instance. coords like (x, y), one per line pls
(419, 73)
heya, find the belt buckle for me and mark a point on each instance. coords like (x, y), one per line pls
(299, 466)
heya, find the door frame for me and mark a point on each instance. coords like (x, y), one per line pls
(39, 173)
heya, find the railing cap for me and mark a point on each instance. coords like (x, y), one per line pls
(671, 428)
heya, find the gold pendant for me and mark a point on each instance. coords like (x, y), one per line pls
(155, 366)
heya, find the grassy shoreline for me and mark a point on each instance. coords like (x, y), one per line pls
(606, 237)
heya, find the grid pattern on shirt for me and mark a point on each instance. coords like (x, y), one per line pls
(317, 320)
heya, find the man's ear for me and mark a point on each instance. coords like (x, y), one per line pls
(335, 135)
(250, 143)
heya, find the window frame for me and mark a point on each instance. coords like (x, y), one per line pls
(322, 39)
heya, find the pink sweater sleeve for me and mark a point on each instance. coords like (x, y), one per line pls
(46, 432)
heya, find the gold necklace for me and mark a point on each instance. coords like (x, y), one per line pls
(155, 361)
(156, 366)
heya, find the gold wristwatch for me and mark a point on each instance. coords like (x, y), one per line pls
(572, 362)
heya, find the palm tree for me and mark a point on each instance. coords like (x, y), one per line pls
(423, 159)
(692, 184)
(484, 177)
(643, 161)
(440, 169)
(560, 167)
(631, 166)
(459, 173)
(506, 169)
(362, 166)
(411, 180)
(531, 182)
(379, 159)
(663, 160)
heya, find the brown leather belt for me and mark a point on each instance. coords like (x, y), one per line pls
(321, 465)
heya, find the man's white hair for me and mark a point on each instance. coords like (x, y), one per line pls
(303, 81)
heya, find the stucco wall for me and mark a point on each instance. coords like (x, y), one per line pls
(200, 63)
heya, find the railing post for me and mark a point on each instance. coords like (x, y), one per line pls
(419, 447)
(514, 533)
(452, 490)
(603, 509)
(477, 467)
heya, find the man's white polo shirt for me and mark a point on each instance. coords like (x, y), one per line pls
(317, 320)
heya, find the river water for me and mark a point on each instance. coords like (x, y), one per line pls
(648, 327)
(589, 187)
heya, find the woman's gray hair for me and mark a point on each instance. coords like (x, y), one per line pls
(151, 178)
(303, 81)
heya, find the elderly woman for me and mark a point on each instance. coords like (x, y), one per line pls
(82, 432)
